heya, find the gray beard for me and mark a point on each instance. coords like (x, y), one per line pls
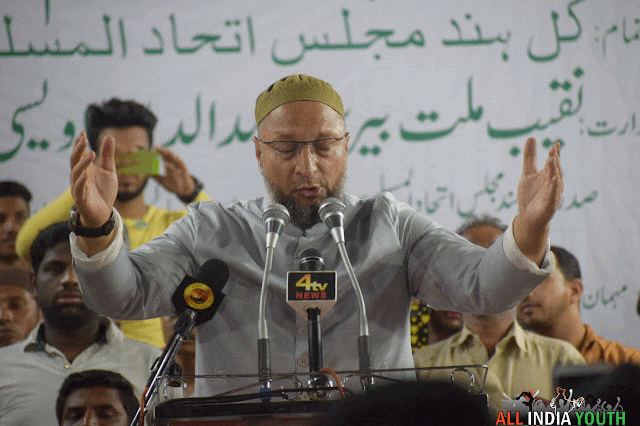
(304, 217)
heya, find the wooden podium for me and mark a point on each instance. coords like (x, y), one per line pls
(205, 412)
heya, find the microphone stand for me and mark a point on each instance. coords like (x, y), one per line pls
(264, 358)
(275, 218)
(331, 212)
(315, 340)
(311, 261)
(364, 345)
(185, 323)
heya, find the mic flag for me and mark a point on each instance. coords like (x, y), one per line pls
(311, 287)
(202, 294)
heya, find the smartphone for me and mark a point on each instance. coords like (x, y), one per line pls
(139, 163)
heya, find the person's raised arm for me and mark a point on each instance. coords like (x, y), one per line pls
(539, 193)
(94, 186)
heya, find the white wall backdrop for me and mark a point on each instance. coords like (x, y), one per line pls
(441, 96)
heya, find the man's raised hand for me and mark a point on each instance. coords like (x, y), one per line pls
(94, 183)
(539, 193)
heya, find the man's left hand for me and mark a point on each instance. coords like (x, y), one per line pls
(539, 193)
(177, 178)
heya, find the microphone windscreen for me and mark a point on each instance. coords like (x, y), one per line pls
(202, 294)
(331, 206)
(276, 211)
(215, 273)
(311, 260)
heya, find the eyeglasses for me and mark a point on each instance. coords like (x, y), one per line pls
(320, 146)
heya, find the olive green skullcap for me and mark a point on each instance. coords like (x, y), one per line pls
(297, 87)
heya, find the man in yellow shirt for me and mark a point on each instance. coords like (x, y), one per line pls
(131, 125)
(518, 360)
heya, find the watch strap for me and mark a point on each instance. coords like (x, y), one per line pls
(84, 231)
(198, 187)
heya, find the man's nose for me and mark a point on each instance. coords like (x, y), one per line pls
(306, 159)
(6, 314)
(11, 225)
(69, 278)
(90, 418)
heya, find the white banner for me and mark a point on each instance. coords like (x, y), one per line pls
(441, 96)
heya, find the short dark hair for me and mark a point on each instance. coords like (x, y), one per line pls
(11, 188)
(567, 263)
(92, 378)
(484, 220)
(47, 238)
(118, 114)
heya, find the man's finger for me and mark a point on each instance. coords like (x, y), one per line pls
(554, 167)
(79, 188)
(79, 147)
(556, 155)
(83, 163)
(556, 191)
(160, 179)
(170, 157)
(107, 154)
(529, 158)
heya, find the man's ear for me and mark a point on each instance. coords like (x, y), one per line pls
(258, 146)
(32, 282)
(575, 290)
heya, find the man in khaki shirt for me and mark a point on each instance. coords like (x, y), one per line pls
(553, 309)
(518, 360)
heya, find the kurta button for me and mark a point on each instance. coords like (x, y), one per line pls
(302, 331)
(303, 361)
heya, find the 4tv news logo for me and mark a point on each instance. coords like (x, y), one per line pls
(563, 409)
(317, 285)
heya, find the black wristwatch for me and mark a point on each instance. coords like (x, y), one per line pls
(198, 187)
(83, 231)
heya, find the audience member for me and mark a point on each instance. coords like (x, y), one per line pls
(18, 309)
(14, 211)
(96, 397)
(431, 326)
(131, 124)
(443, 324)
(70, 338)
(518, 360)
(553, 309)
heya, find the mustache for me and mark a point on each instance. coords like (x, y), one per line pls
(68, 294)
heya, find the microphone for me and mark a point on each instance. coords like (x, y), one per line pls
(196, 300)
(311, 293)
(332, 211)
(275, 218)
